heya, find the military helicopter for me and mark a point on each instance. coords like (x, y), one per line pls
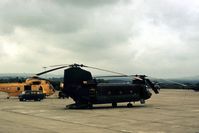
(32, 83)
(86, 90)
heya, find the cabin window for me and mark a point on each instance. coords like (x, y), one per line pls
(27, 87)
(18, 88)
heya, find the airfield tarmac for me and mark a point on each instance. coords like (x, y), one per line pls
(172, 111)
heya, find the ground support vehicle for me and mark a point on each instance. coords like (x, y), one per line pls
(31, 95)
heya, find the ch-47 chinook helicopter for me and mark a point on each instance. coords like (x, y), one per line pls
(32, 83)
(86, 90)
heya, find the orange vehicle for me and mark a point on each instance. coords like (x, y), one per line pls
(33, 83)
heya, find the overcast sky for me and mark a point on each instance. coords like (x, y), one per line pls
(159, 38)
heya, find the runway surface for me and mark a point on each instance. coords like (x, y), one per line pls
(171, 111)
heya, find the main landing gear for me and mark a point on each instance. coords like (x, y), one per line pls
(129, 105)
(114, 105)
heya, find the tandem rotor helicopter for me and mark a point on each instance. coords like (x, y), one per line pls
(32, 83)
(86, 90)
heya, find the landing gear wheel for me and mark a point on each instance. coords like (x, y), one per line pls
(114, 104)
(129, 105)
(61, 95)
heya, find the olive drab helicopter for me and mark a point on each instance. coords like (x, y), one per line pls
(86, 90)
(32, 83)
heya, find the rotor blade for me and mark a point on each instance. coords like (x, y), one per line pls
(135, 76)
(47, 71)
(152, 86)
(106, 70)
(171, 81)
(175, 82)
(111, 76)
(70, 65)
(39, 78)
(138, 78)
(81, 65)
(57, 65)
(138, 75)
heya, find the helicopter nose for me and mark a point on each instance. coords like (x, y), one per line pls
(148, 95)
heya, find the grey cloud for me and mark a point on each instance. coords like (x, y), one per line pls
(147, 37)
(41, 16)
(2, 54)
(49, 16)
(86, 3)
(179, 16)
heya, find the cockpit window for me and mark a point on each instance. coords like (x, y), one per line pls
(36, 83)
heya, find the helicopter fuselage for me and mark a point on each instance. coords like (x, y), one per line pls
(121, 93)
(109, 93)
(14, 89)
(84, 90)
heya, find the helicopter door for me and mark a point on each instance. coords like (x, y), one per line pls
(92, 93)
(27, 87)
(41, 88)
